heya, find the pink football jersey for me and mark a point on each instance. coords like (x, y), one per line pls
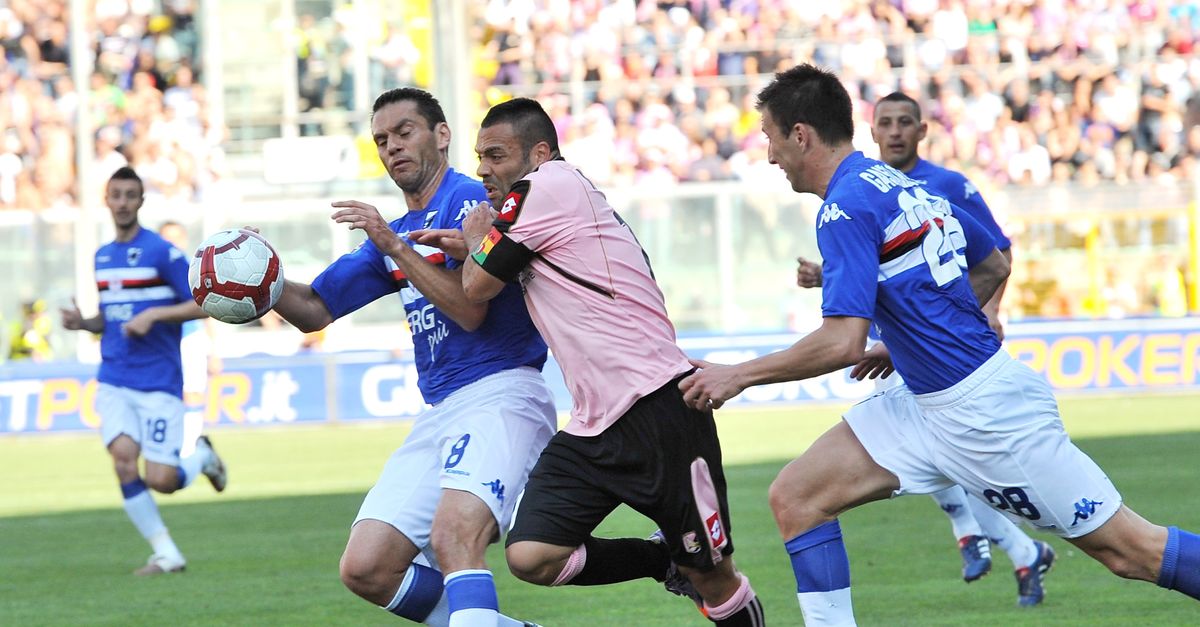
(592, 295)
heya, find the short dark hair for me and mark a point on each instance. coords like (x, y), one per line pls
(809, 95)
(126, 173)
(899, 96)
(427, 105)
(529, 120)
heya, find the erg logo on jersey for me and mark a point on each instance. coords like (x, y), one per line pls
(830, 213)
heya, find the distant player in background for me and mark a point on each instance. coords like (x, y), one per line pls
(898, 129)
(966, 414)
(631, 439)
(196, 348)
(450, 489)
(144, 298)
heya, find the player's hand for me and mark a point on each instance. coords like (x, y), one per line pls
(450, 241)
(808, 274)
(478, 222)
(875, 364)
(709, 387)
(360, 215)
(139, 325)
(72, 319)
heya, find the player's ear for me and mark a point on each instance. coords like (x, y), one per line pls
(443, 135)
(922, 130)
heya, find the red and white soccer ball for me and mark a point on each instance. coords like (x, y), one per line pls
(236, 276)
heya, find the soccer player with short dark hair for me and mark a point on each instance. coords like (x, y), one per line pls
(897, 128)
(418, 544)
(967, 413)
(144, 299)
(631, 438)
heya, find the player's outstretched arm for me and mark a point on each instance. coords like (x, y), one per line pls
(479, 285)
(443, 287)
(140, 324)
(449, 241)
(302, 307)
(987, 276)
(838, 343)
(73, 320)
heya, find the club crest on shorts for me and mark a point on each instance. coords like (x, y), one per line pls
(690, 543)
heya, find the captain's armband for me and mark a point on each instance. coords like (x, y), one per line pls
(500, 256)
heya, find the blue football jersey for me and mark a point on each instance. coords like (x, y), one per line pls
(961, 193)
(447, 357)
(132, 276)
(895, 253)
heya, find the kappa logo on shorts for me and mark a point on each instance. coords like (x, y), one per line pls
(716, 532)
(1084, 510)
(497, 489)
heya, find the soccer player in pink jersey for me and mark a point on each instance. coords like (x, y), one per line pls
(631, 438)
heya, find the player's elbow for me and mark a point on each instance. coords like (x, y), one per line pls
(850, 351)
(478, 291)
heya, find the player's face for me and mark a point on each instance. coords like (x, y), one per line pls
(411, 151)
(501, 161)
(124, 198)
(897, 129)
(783, 150)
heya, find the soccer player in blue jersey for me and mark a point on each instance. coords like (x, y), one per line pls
(144, 298)
(898, 128)
(966, 414)
(450, 489)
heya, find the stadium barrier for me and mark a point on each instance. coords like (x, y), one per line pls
(1115, 356)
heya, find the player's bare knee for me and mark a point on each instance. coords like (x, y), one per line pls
(529, 564)
(792, 505)
(363, 576)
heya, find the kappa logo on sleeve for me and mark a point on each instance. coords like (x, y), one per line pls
(511, 207)
(830, 213)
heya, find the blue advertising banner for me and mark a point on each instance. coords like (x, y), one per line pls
(1075, 356)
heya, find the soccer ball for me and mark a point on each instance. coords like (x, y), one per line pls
(236, 276)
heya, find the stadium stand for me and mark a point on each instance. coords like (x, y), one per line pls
(1017, 92)
(147, 106)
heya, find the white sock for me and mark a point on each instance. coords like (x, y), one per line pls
(193, 465)
(142, 510)
(827, 609)
(1019, 547)
(953, 501)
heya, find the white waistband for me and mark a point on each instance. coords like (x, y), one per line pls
(963, 389)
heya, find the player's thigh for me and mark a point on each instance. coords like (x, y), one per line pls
(834, 474)
(1005, 444)
(882, 432)
(406, 494)
(160, 418)
(664, 460)
(493, 432)
(564, 499)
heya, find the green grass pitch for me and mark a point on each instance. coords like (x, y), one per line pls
(266, 551)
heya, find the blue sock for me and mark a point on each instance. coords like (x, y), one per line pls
(418, 594)
(822, 572)
(1181, 563)
(472, 597)
(819, 559)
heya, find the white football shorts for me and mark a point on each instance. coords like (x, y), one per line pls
(483, 439)
(996, 433)
(153, 419)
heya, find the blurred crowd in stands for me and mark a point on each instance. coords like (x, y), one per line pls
(147, 107)
(1015, 91)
